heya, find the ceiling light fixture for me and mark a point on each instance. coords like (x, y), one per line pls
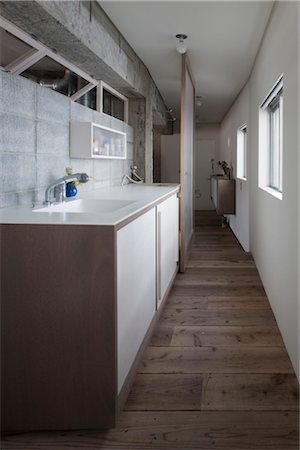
(198, 100)
(181, 46)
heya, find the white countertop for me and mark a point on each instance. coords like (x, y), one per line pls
(139, 196)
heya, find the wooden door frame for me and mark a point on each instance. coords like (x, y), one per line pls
(185, 246)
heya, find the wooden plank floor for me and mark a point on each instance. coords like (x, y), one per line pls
(216, 374)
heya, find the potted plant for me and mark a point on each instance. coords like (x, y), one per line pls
(226, 169)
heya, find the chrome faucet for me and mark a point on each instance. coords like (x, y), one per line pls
(59, 187)
(134, 178)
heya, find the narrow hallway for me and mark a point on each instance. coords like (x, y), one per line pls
(218, 350)
(216, 373)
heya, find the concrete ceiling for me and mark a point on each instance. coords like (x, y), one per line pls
(223, 39)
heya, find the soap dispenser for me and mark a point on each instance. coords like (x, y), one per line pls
(71, 189)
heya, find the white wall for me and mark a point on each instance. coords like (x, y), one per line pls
(235, 118)
(274, 223)
(209, 131)
(206, 148)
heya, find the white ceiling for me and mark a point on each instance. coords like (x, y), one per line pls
(223, 39)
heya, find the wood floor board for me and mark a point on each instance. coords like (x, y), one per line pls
(185, 302)
(214, 249)
(238, 303)
(255, 392)
(220, 263)
(212, 280)
(231, 317)
(221, 290)
(210, 299)
(162, 336)
(201, 244)
(222, 281)
(224, 336)
(214, 302)
(217, 248)
(217, 302)
(220, 273)
(215, 360)
(207, 238)
(210, 230)
(206, 430)
(215, 240)
(206, 257)
(158, 392)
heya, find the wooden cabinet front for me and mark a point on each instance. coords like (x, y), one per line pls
(58, 327)
(223, 195)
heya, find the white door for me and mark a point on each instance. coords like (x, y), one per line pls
(204, 154)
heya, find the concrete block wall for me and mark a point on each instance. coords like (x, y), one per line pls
(35, 142)
(83, 34)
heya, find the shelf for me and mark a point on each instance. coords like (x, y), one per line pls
(90, 140)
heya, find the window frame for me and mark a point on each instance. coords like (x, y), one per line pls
(242, 136)
(275, 163)
(271, 141)
(101, 86)
(39, 51)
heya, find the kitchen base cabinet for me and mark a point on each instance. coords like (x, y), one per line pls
(78, 304)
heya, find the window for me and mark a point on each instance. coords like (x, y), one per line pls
(270, 141)
(242, 152)
(112, 103)
(11, 49)
(20, 54)
(49, 73)
(275, 126)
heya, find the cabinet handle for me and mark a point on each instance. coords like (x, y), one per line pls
(158, 256)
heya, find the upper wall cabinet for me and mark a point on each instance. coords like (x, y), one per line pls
(89, 140)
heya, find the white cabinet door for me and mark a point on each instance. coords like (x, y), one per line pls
(136, 268)
(167, 244)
